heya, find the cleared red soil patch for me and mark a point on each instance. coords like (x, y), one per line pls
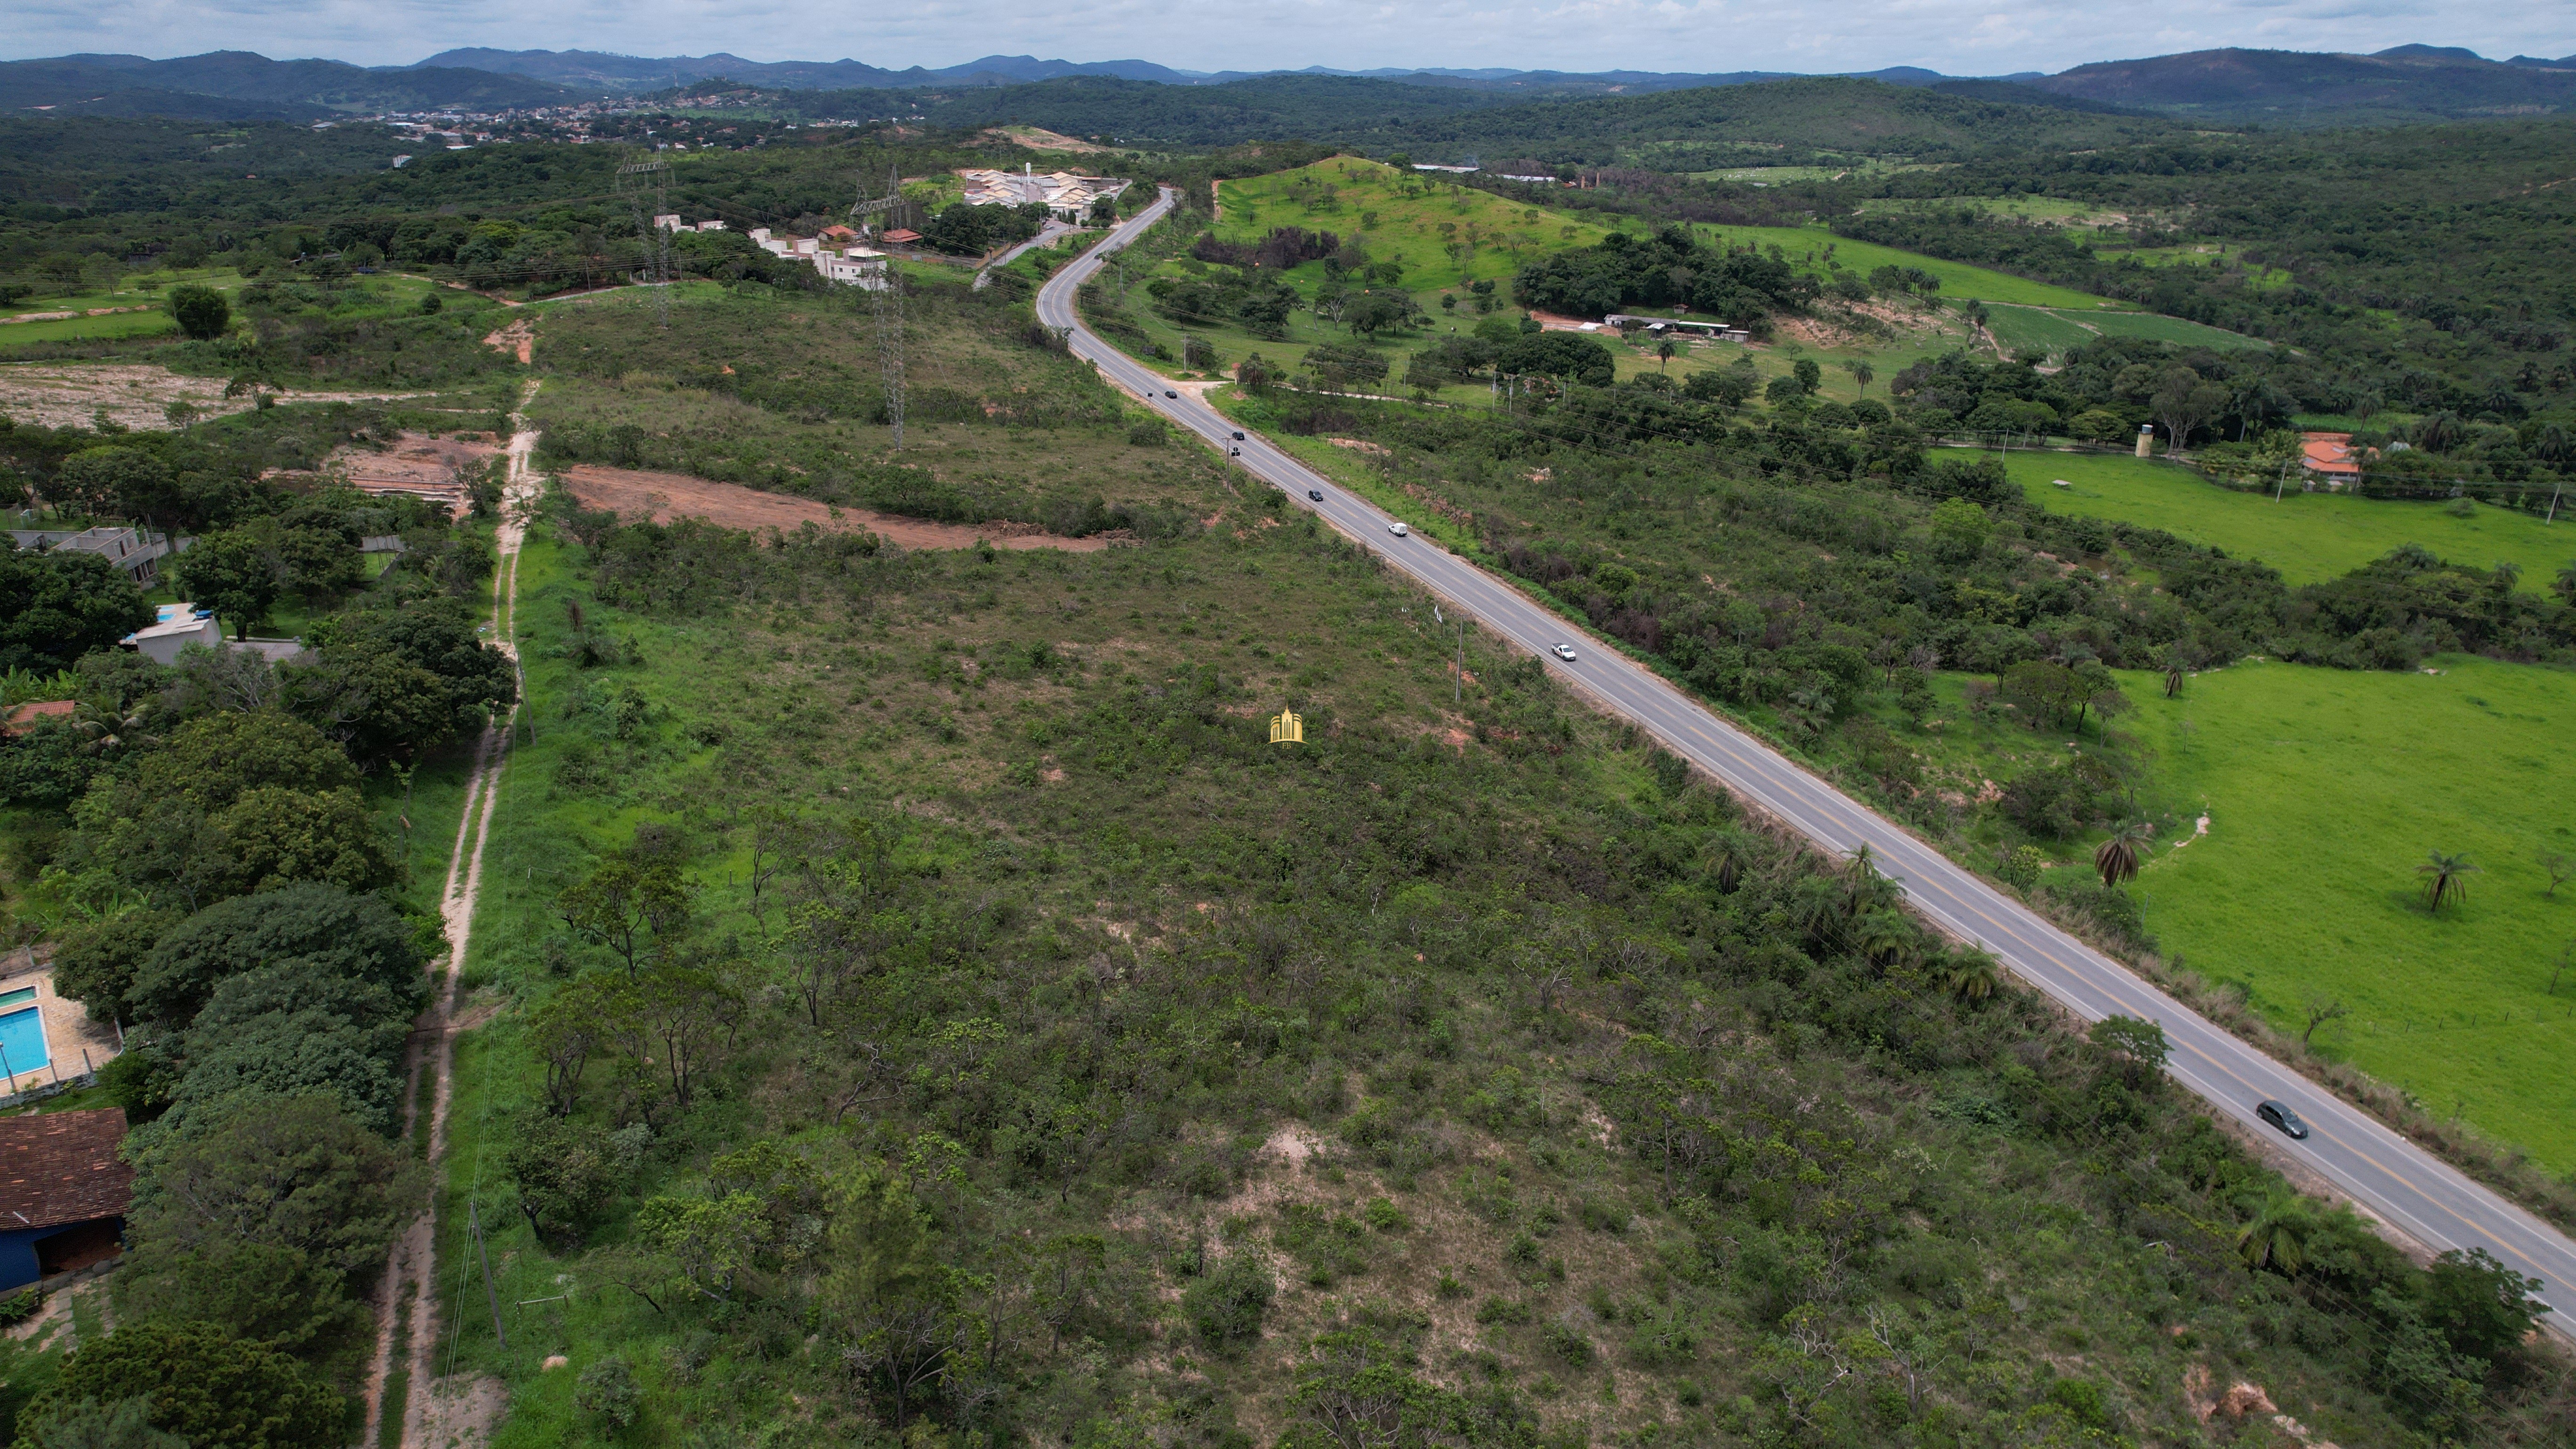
(662, 497)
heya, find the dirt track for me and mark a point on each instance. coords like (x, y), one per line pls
(665, 496)
(67, 394)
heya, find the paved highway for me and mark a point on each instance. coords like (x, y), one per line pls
(2423, 1196)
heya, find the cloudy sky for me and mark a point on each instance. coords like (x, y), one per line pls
(1970, 37)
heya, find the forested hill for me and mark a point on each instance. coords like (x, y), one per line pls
(2285, 87)
(1268, 108)
(1448, 123)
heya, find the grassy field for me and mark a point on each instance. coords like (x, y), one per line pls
(2055, 329)
(1444, 235)
(2324, 790)
(2017, 206)
(2155, 327)
(1808, 248)
(2307, 536)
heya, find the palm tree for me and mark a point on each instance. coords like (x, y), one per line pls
(107, 730)
(2445, 879)
(2278, 1235)
(1862, 373)
(1885, 938)
(2117, 857)
(1729, 855)
(1973, 976)
(1663, 353)
(1865, 886)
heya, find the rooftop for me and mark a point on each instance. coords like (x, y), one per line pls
(62, 1167)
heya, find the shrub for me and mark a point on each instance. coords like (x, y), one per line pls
(201, 312)
(1227, 1306)
(206, 1386)
(608, 1389)
(1568, 1343)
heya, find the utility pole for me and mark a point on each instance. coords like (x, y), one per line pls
(889, 305)
(633, 179)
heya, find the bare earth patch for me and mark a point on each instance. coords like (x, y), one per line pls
(60, 395)
(462, 1411)
(416, 462)
(665, 496)
(1038, 138)
(518, 339)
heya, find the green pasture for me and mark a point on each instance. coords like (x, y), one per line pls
(2019, 329)
(2057, 329)
(2324, 790)
(85, 329)
(2020, 207)
(1806, 248)
(2309, 537)
(2156, 327)
(1775, 175)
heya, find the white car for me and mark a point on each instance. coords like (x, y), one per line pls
(1564, 652)
(1399, 530)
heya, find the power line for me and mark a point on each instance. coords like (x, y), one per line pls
(889, 305)
(632, 179)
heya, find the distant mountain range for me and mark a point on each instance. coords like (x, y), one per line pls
(2234, 85)
(238, 85)
(2279, 84)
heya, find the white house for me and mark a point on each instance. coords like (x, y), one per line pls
(177, 627)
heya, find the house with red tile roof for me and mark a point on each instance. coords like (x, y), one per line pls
(34, 712)
(2330, 456)
(63, 1193)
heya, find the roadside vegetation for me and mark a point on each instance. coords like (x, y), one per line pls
(1068, 1058)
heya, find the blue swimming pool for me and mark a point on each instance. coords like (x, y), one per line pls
(22, 1040)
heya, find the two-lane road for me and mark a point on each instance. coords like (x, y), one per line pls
(2409, 1187)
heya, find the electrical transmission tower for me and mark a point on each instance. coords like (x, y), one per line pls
(889, 303)
(636, 179)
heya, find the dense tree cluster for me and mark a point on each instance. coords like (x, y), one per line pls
(233, 901)
(1669, 269)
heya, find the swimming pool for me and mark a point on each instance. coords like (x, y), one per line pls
(22, 1040)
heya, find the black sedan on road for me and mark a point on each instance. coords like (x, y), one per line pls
(2279, 1115)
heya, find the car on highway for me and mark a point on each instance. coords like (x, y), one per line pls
(1564, 652)
(2279, 1115)
(1314, 495)
(1399, 530)
(1238, 437)
(1167, 392)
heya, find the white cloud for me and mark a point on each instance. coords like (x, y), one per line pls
(1960, 36)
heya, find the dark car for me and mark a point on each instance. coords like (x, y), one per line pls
(1238, 437)
(1167, 392)
(2280, 1115)
(1315, 495)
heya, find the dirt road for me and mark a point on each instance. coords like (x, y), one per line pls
(407, 1301)
(662, 497)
